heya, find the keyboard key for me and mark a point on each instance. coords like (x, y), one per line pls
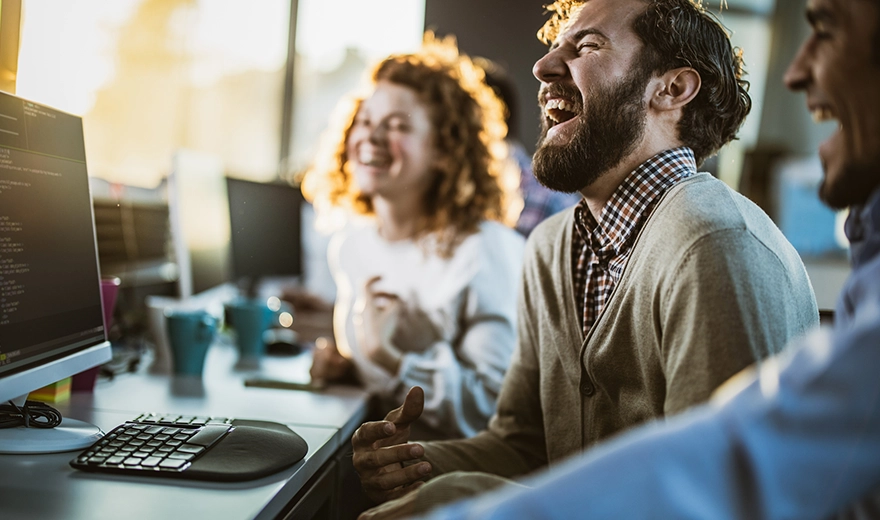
(191, 448)
(208, 435)
(115, 460)
(151, 462)
(172, 463)
(181, 456)
(132, 461)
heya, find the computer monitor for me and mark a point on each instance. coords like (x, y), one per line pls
(266, 231)
(51, 323)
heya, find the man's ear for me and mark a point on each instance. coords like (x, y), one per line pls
(675, 89)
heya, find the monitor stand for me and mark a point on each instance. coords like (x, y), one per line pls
(70, 435)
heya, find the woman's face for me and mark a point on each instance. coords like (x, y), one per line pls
(390, 144)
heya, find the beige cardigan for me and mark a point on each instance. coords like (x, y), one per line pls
(710, 287)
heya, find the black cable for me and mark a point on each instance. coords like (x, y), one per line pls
(32, 415)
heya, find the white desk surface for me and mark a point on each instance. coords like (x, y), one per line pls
(45, 487)
(222, 394)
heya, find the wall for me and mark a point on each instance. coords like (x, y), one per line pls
(504, 32)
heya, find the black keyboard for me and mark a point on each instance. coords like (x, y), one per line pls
(193, 447)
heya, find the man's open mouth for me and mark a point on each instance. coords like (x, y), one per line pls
(559, 110)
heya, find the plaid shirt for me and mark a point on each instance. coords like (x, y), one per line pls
(600, 249)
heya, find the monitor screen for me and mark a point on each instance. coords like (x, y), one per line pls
(51, 323)
(265, 225)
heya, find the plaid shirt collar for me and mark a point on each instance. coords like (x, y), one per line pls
(628, 206)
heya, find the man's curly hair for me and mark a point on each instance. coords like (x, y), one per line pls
(467, 119)
(681, 33)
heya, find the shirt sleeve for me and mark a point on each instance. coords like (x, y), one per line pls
(799, 439)
(462, 375)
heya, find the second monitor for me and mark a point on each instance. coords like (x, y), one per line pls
(265, 231)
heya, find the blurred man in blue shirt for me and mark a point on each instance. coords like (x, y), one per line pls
(800, 438)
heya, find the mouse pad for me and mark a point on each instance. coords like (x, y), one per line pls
(252, 450)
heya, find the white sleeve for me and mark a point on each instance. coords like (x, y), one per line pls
(462, 376)
(801, 440)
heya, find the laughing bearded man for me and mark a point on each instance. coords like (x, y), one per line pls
(646, 296)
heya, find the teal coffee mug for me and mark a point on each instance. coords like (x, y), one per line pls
(190, 333)
(249, 318)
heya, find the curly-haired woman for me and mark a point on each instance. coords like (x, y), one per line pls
(426, 274)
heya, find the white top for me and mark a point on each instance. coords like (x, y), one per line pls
(457, 329)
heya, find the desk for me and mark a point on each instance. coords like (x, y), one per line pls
(45, 487)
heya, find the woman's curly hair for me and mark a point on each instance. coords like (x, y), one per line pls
(681, 33)
(472, 173)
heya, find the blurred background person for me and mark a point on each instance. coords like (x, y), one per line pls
(426, 273)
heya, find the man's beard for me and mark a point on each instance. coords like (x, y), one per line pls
(853, 186)
(602, 139)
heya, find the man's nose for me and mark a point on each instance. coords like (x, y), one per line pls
(550, 67)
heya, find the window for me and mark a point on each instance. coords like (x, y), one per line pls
(150, 77)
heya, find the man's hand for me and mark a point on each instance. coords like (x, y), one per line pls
(381, 448)
(403, 507)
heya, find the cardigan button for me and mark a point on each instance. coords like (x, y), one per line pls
(587, 388)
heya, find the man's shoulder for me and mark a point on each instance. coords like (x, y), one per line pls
(702, 205)
(704, 211)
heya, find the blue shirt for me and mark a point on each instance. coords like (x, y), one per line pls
(799, 439)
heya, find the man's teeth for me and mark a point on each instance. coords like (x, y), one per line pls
(558, 104)
(822, 114)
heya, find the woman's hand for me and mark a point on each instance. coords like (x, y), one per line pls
(327, 363)
(375, 320)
